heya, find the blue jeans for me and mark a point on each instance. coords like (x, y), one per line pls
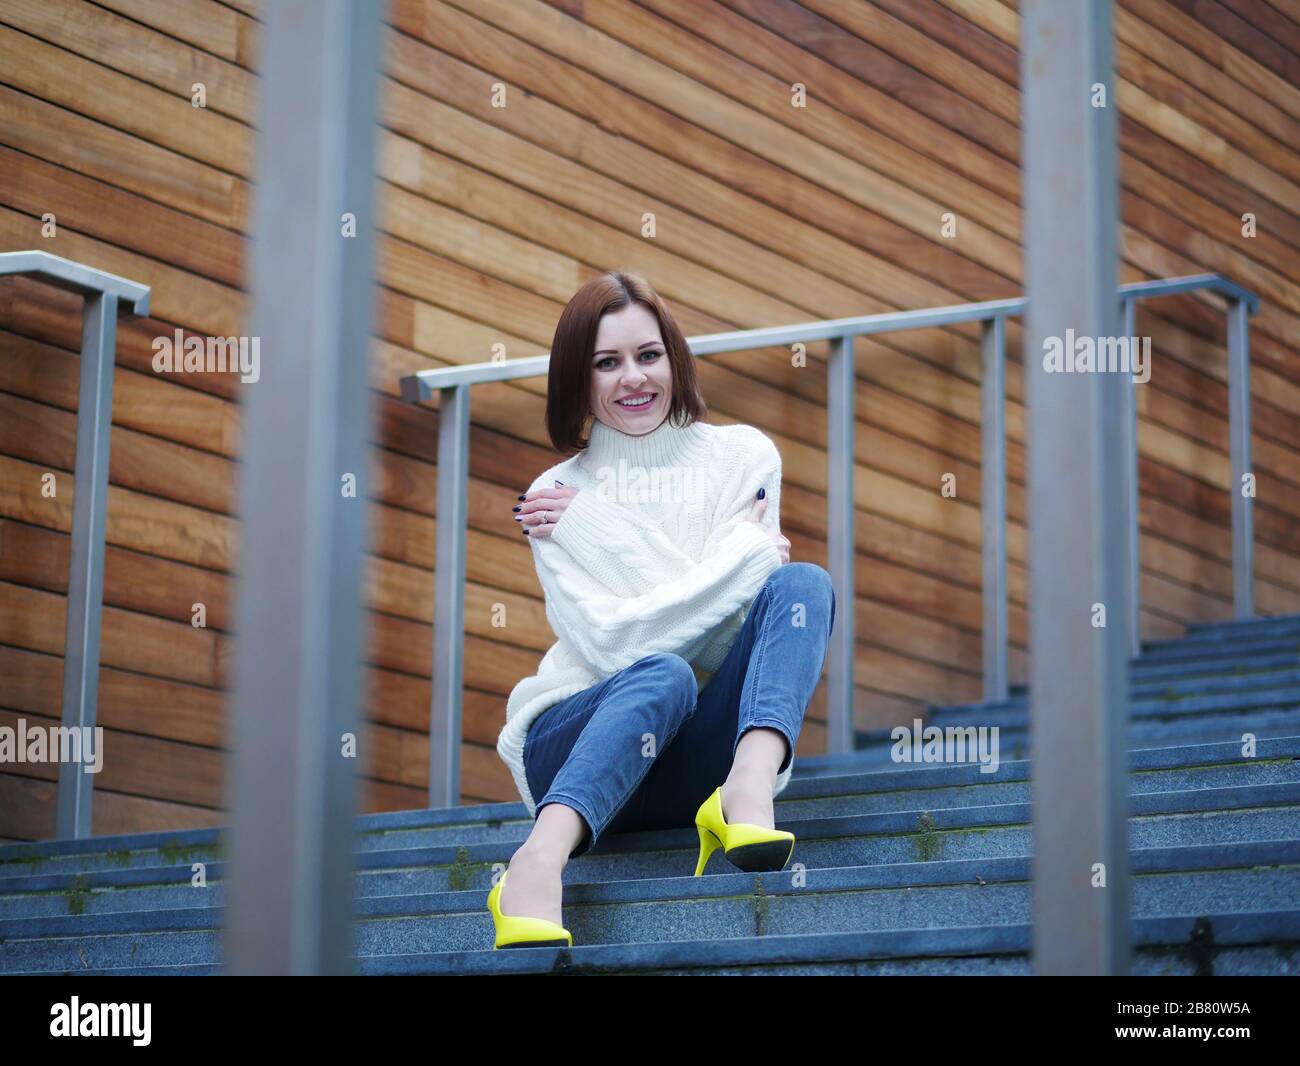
(644, 748)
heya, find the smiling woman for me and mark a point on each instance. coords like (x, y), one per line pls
(616, 341)
(670, 612)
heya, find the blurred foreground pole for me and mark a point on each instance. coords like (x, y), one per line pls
(291, 792)
(1077, 542)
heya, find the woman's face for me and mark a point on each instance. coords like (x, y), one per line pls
(630, 361)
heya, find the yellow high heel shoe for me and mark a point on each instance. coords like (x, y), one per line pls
(520, 931)
(749, 847)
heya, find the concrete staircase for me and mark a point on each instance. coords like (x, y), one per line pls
(898, 869)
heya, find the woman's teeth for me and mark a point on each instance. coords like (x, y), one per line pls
(638, 403)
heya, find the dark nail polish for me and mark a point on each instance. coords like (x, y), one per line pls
(519, 518)
(514, 508)
(559, 482)
(523, 497)
(762, 493)
(525, 532)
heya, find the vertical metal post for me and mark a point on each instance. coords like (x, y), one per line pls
(1079, 793)
(841, 434)
(295, 738)
(86, 570)
(449, 598)
(1243, 522)
(1128, 490)
(993, 508)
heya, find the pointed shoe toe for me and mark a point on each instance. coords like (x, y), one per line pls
(520, 931)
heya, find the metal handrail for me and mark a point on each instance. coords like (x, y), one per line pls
(424, 383)
(106, 297)
(454, 384)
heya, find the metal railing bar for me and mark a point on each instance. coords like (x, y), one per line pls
(132, 297)
(449, 599)
(1128, 494)
(1078, 706)
(105, 298)
(841, 553)
(993, 507)
(73, 819)
(858, 326)
(297, 736)
(1243, 522)
(424, 383)
(1192, 283)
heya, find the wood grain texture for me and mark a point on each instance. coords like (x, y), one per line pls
(490, 218)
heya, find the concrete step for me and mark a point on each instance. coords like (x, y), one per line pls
(947, 787)
(1268, 626)
(642, 910)
(1219, 647)
(853, 778)
(1145, 671)
(1238, 701)
(1234, 944)
(1174, 688)
(1209, 944)
(1014, 735)
(635, 860)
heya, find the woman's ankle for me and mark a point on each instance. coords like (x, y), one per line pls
(747, 797)
(541, 854)
(751, 776)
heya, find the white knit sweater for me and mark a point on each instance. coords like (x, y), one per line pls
(654, 554)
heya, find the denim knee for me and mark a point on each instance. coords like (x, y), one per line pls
(672, 673)
(810, 575)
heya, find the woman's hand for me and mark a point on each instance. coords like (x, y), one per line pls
(540, 512)
(782, 545)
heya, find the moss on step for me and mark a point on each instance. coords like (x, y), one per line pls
(187, 854)
(928, 841)
(460, 874)
(77, 894)
(762, 905)
(29, 856)
(927, 844)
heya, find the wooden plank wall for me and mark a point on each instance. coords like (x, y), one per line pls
(765, 213)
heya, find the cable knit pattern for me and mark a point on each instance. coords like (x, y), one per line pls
(653, 554)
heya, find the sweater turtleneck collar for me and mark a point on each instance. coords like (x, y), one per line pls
(667, 445)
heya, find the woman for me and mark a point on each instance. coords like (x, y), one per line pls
(688, 649)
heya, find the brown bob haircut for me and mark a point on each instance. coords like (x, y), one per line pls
(568, 385)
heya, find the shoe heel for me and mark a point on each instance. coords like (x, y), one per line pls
(708, 845)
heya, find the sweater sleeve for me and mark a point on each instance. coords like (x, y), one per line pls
(627, 553)
(610, 631)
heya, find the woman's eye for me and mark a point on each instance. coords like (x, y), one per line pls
(610, 359)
